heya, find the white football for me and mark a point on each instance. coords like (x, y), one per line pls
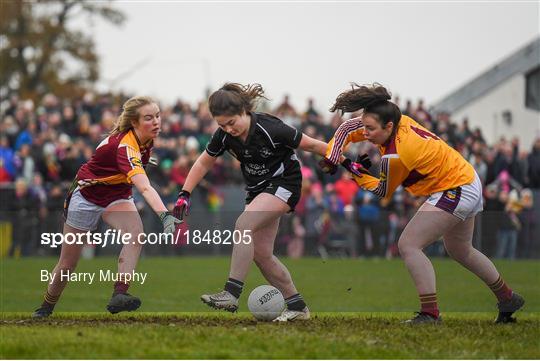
(266, 303)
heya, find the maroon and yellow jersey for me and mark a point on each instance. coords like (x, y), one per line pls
(106, 177)
(413, 157)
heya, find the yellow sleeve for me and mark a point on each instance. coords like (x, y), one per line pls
(393, 173)
(128, 157)
(350, 131)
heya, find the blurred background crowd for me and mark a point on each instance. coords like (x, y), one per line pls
(50, 124)
(43, 144)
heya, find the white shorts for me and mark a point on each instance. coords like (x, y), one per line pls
(463, 202)
(85, 215)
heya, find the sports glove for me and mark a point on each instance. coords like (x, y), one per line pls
(169, 222)
(328, 167)
(181, 208)
(355, 168)
(364, 160)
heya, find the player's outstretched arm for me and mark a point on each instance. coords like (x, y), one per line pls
(316, 146)
(393, 173)
(151, 196)
(142, 183)
(202, 165)
(312, 145)
(350, 131)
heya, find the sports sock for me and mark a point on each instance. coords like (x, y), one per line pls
(295, 302)
(501, 289)
(428, 304)
(120, 287)
(50, 301)
(234, 287)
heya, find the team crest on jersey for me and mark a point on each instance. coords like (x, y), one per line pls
(135, 161)
(382, 177)
(265, 152)
(451, 194)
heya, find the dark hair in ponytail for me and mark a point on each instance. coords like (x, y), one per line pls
(235, 99)
(372, 99)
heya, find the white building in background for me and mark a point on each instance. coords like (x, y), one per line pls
(504, 100)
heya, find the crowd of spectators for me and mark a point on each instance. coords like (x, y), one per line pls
(42, 146)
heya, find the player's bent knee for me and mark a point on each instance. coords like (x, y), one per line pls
(459, 252)
(243, 223)
(406, 249)
(262, 259)
(135, 233)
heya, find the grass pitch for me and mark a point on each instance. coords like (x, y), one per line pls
(357, 308)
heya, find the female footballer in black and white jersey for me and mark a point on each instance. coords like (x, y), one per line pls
(264, 145)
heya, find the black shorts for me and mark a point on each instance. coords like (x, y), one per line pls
(289, 192)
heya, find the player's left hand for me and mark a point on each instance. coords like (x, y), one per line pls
(169, 222)
(181, 207)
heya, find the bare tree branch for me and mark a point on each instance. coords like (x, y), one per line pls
(37, 41)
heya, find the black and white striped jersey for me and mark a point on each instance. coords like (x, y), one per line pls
(267, 154)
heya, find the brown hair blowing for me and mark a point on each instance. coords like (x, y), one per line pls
(235, 99)
(373, 99)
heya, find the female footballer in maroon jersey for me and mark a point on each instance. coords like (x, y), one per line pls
(102, 188)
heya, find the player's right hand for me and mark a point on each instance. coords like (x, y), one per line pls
(169, 222)
(181, 207)
(364, 160)
(327, 166)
